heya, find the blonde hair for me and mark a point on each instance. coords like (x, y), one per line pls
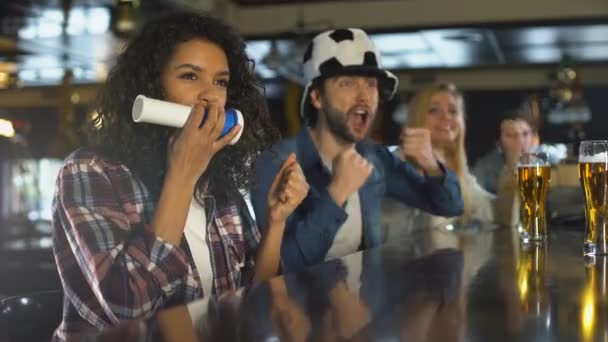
(455, 154)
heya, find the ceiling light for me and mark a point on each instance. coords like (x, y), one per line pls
(391, 43)
(273, 58)
(257, 49)
(423, 60)
(75, 98)
(4, 80)
(8, 67)
(124, 20)
(465, 37)
(567, 103)
(6, 128)
(284, 58)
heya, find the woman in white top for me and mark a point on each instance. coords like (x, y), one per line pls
(440, 109)
(146, 217)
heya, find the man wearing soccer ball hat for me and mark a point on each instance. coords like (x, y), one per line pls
(348, 174)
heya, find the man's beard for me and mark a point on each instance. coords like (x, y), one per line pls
(336, 121)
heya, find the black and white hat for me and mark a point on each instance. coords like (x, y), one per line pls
(343, 52)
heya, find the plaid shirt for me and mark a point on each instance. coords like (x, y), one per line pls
(113, 267)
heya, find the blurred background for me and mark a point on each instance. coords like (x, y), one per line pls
(550, 56)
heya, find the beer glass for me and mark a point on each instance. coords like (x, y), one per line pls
(592, 166)
(533, 176)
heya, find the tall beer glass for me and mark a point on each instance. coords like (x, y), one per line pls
(533, 176)
(592, 166)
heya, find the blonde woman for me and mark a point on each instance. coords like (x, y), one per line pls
(440, 109)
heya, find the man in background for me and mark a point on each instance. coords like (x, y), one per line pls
(518, 134)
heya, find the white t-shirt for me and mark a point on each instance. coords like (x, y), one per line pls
(196, 235)
(348, 237)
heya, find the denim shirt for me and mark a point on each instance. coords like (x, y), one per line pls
(311, 228)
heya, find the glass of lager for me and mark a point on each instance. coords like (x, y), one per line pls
(533, 176)
(592, 166)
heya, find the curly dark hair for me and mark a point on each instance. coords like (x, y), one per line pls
(143, 147)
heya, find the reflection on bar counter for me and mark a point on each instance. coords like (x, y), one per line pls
(594, 300)
(534, 296)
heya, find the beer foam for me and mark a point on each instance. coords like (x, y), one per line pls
(601, 157)
(533, 165)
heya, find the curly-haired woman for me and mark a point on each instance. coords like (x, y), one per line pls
(149, 216)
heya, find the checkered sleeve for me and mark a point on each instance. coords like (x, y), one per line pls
(130, 271)
(252, 236)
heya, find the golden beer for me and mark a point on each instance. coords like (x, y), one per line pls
(593, 177)
(533, 182)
